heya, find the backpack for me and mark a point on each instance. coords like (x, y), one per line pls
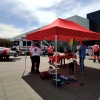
(59, 81)
(45, 75)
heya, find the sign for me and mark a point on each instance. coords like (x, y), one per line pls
(16, 43)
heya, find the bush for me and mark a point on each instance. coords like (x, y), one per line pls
(6, 43)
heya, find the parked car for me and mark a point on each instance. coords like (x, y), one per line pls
(6, 53)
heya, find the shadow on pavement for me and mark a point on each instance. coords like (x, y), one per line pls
(10, 60)
(45, 89)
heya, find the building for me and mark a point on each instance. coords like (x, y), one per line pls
(80, 20)
(23, 36)
(94, 21)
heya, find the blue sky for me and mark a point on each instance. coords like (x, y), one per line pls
(20, 16)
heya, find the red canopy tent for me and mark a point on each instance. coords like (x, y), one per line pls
(65, 30)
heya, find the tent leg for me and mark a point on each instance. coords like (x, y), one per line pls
(82, 83)
(25, 62)
(81, 65)
(25, 56)
(56, 57)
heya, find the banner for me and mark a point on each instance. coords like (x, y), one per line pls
(72, 41)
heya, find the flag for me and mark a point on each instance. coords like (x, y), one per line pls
(72, 41)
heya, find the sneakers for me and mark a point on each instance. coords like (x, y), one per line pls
(49, 61)
(37, 71)
(95, 61)
(32, 71)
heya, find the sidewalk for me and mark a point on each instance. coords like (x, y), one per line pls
(17, 85)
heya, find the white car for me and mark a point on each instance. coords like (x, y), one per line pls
(6, 52)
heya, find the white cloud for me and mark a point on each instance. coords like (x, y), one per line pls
(82, 10)
(9, 31)
(33, 9)
(28, 9)
(39, 9)
(34, 4)
(43, 12)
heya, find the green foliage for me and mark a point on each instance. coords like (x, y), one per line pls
(6, 43)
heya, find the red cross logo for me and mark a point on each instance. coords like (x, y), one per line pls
(16, 43)
(35, 49)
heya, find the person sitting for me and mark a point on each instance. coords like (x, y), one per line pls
(20, 50)
(16, 48)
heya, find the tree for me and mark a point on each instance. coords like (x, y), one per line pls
(6, 43)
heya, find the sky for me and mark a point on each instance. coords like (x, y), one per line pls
(20, 16)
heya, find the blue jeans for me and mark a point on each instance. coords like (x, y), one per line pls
(81, 61)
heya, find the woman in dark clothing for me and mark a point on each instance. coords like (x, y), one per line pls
(60, 49)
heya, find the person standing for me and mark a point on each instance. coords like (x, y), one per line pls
(96, 52)
(36, 52)
(31, 54)
(44, 51)
(65, 49)
(50, 52)
(82, 54)
(60, 49)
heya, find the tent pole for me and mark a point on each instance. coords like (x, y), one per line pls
(25, 55)
(56, 57)
(82, 84)
(73, 55)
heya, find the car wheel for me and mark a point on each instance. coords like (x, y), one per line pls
(7, 57)
(1, 57)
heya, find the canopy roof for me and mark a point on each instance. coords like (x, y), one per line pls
(65, 30)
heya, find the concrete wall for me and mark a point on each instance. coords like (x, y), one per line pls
(20, 36)
(79, 20)
(24, 34)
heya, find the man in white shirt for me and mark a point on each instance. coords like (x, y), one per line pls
(36, 52)
(31, 55)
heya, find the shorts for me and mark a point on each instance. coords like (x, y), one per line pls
(50, 54)
(96, 53)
